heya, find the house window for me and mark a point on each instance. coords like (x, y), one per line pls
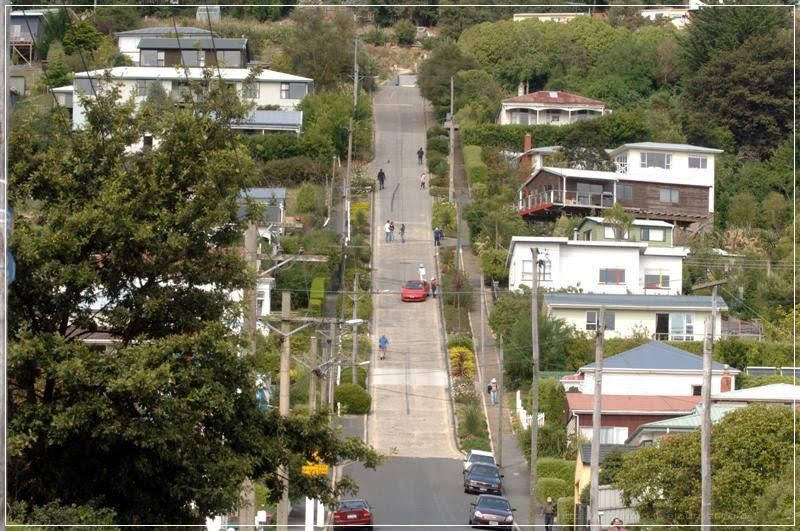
(545, 270)
(85, 85)
(250, 90)
(147, 141)
(230, 58)
(697, 390)
(151, 58)
(611, 233)
(624, 191)
(591, 320)
(668, 195)
(681, 327)
(612, 276)
(656, 280)
(143, 87)
(652, 235)
(622, 163)
(555, 116)
(700, 163)
(608, 435)
(656, 160)
(260, 302)
(527, 270)
(293, 91)
(191, 58)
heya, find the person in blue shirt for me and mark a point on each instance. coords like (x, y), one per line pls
(383, 342)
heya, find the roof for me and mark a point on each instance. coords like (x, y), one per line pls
(779, 392)
(204, 43)
(618, 301)
(632, 404)
(275, 120)
(570, 172)
(684, 423)
(195, 73)
(660, 146)
(605, 449)
(32, 13)
(554, 96)
(656, 355)
(166, 30)
(636, 222)
(264, 194)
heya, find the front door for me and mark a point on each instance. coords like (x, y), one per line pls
(662, 326)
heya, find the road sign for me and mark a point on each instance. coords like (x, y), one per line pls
(315, 469)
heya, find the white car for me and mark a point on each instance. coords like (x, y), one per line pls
(478, 456)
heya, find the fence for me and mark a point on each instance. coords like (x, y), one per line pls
(525, 417)
(610, 507)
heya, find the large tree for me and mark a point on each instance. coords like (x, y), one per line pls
(445, 61)
(165, 426)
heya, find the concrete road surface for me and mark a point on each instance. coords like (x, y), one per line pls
(411, 416)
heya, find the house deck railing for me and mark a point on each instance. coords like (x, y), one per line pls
(568, 198)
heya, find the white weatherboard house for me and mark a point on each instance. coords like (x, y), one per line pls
(653, 369)
(661, 317)
(604, 266)
(128, 41)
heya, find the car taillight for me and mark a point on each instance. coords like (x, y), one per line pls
(365, 513)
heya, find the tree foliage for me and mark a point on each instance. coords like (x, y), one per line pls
(80, 36)
(445, 61)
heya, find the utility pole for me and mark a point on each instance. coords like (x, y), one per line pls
(283, 406)
(3, 264)
(705, 427)
(483, 326)
(500, 412)
(346, 220)
(312, 377)
(535, 381)
(451, 190)
(594, 518)
(354, 354)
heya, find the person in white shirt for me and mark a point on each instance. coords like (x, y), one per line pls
(387, 229)
(422, 272)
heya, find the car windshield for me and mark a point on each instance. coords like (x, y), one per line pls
(499, 504)
(413, 284)
(482, 459)
(352, 504)
(485, 470)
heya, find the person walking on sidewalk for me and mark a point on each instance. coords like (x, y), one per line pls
(437, 236)
(422, 178)
(383, 342)
(403, 232)
(420, 154)
(434, 285)
(387, 229)
(381, 179)
(421, 272)
(493, 391)
(391, 230)
(549, 511)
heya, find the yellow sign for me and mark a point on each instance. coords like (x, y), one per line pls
(315, 469)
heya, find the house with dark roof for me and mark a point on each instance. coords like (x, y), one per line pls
(128, 41)
(660, 317)
(550, 107)
(193, 50)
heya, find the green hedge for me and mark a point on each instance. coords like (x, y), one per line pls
(460, 340)
(291, 171)
(473, 442)
(353, 398)
(436, 130)
(566, 510)
(316, 298)
(474, 166)
(439, 191)
(550, 467)
(361, 376)
(438, 166)
(438, 144)
(551, 487)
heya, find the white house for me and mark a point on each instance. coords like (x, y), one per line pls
(596, 266)
(653, 369)
(661, 317)
(550, 107)
(549, 17)
(269, 88)
(128, 41)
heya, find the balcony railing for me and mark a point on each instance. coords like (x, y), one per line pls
(570, 198)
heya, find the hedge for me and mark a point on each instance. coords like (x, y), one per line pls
(439, 144)
(438, 166)
(436, 130)
(460, 340)
(275, 146)
(317, 296)
(291, 171)
(353, 398)
(361, 376)
(551, 487)
(473, 442)
(566, 510)
(474, 166)
(439, 191)
(550, 467)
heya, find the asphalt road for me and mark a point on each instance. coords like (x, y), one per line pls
(411, 417)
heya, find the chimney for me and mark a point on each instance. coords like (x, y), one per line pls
(725, 382)
(521, 89)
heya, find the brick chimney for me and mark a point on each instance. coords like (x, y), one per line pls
(725, 382)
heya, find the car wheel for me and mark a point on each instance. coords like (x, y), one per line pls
(466, 490)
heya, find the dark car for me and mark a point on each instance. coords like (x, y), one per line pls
(352, 513)
(483, 478)
(491, 511)
(415, 290)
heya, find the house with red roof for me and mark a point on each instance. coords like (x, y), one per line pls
(550, 107)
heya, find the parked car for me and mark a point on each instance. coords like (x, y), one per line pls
(351, 513)
(483, 478)
(415, 290)
(477, 456)
(491, 511)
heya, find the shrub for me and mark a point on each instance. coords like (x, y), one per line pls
(459, 340)
(436, 130)
(473, 442)
(291, 171)
(549, 467)
(353, 398)
(456, 289)
(464, 392)
(444, 216)
(438, 144)
(274, 146)
(462, 362)
(316, 298)
(442, 181)
(439, 192)
(472, 421)
(566, 510)
(364, 306)
(311, 200)
(551, 487)
(474, 166)
(493, 263)
(361, 376)
(359, 213)
(438, 166)
(405, 32)
(376, 37)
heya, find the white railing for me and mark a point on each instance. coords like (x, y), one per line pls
(525, 417)
(568, 198)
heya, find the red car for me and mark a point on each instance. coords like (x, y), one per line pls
(415, 290)
(352, 513)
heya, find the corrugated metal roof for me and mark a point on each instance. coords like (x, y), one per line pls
(779, 392)
(683, 423)
(632, 404)
(554, 97)
(657, 356)
(605, 449)
(191, 43)
(637, 222)
(660, 146)
(289, 120)
(166, 30)
(193, 73)
(612, 301)
(585, 174)
(262, 194)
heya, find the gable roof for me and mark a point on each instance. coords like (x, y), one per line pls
(193, 73)
(554, 96)
(683, 423)
(642, 302)
(605, 449)
(166, 30)
(192, 43)
(632, 404)
(636, 222)
(656, 355)
(661, 146)
(779, 392)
